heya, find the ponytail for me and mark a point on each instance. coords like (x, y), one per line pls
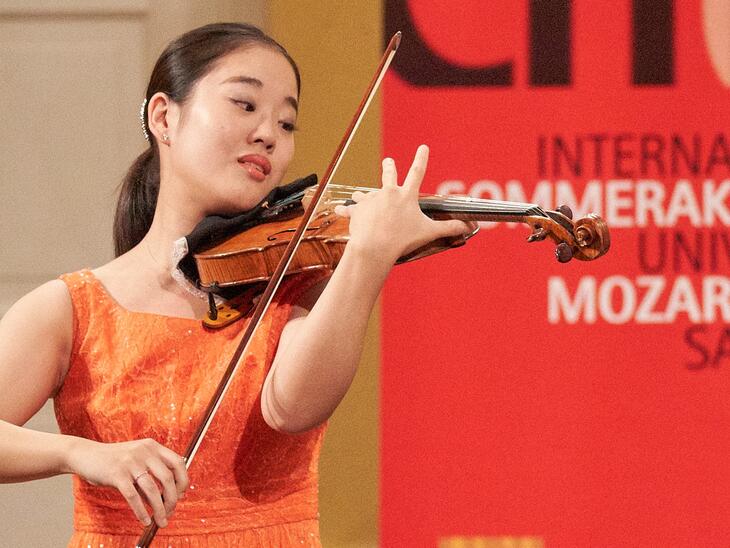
(137, 201)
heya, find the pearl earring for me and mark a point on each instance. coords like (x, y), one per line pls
(165, 136)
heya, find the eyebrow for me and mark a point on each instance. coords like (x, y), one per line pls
(259, 84)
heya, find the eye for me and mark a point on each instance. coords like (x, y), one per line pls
(288, 127)
(248, 106)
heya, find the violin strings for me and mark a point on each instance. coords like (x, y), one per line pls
(342, 190)
(454, 204)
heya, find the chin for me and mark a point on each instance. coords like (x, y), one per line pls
(239, 206)
(232, 202)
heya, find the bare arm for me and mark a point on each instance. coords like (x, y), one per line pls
(319, 352)
(36, 336)
(35, 343)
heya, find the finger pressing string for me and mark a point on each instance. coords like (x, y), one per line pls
(342, 211)
(453, 227)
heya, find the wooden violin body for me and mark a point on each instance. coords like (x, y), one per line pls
(251, 256)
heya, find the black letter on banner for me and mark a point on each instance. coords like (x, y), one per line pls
(653, 53)
(689, 338)
(419, 65)
(550, 42)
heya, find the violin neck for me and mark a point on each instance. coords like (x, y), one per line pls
(473, 209)
(463, 208)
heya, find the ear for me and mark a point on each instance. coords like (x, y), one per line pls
(162, 117)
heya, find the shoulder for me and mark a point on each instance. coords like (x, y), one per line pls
(36, 336)
(48, 304)
(43, 315)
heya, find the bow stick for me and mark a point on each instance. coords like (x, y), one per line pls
(263, 304)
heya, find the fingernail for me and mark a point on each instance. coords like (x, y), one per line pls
(147, 521)
(163, 522)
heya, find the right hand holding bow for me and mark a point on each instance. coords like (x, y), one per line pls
(136, 469)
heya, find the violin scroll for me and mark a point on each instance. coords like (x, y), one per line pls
(585, 239)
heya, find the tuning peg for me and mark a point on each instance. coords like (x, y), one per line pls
(563, 252)
(539, 235)
(565, 210)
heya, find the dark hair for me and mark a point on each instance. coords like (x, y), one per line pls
(185, 60)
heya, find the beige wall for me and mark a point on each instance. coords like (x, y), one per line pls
(67, 123)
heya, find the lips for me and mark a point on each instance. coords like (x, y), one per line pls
(256, 165)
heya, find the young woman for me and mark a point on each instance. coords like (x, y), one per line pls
(122, 351)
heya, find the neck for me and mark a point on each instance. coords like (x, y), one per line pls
(174, 218)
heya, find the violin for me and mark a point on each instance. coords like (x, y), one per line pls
(251, 256)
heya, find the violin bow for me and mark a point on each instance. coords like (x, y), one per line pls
(263, 304)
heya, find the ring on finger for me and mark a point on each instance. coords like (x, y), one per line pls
(140, 475)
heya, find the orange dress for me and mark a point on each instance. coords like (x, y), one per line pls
(138, 375)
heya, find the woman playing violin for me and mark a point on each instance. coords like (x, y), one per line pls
(121, 348)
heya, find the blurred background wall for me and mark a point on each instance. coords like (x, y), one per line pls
(72, 76)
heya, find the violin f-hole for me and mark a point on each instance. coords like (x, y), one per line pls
(273, 237)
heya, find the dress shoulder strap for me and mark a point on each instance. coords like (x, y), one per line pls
(83, 292)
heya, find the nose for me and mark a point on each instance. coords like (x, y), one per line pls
(264, 133)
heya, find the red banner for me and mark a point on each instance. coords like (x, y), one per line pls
(578, 404)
